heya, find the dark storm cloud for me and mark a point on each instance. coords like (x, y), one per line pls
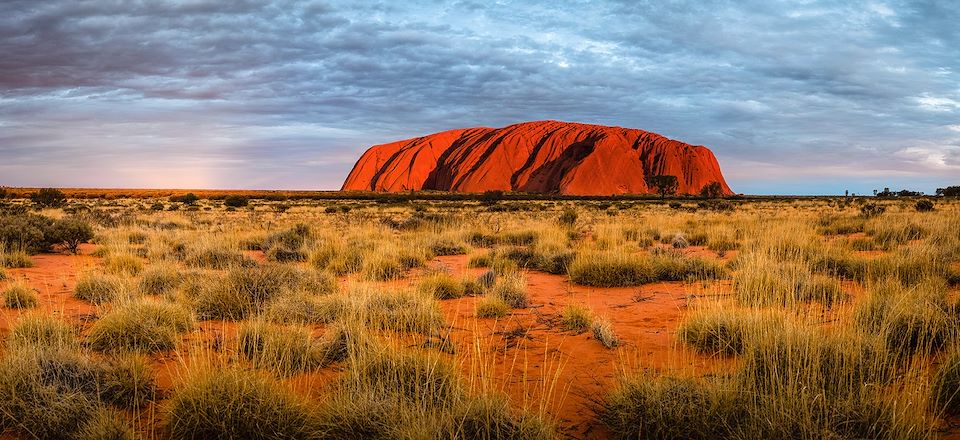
(807, 97)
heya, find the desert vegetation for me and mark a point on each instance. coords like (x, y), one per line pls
(483, 316)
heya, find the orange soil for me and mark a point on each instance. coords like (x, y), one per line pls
(538, 361)
(528, 354)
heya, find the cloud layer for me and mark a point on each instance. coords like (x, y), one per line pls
(793, 97)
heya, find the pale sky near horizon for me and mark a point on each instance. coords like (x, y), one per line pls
(793, 97)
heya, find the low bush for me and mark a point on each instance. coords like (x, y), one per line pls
(236, 201)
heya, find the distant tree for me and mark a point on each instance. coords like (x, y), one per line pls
(49, 198)
(236, 201)
(3, 193)
(924, 206)
(712, 190)
(950, 191)
(72, 232)
(664, 184)
(493, 196)
(188, 198)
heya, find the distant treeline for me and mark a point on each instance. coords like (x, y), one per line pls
(399, 197)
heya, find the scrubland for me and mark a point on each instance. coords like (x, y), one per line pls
(779, 318)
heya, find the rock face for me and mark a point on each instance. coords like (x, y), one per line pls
(536, 157)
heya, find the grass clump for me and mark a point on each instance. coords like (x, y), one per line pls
(160, 279)
(98, 288)
(491, 307)
(303, 309)
(37, 330)
(402, 310)
(216, 257)
(284, 350)
(390, 393)
(441, 285)
(511, 289)
(232, 403)
(662, 407)
(909, 320)
(611, 269)
(20, 296)
(946, 385)
(718, 331)
(603, 332)
(761, 282)
(15, 259)
(576, 318)
(123, 264)
(242, 292)
(55, 394)
(147, 326)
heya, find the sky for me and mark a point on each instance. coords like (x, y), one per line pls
(793, 97)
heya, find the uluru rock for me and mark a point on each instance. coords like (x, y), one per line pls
(536, 157)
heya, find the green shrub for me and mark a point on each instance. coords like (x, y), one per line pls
(49, 198)
(71, 232)
(236, 201)
(29, 233)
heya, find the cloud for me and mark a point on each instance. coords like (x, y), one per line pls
(288, 93)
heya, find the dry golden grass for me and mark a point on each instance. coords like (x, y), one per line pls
(834, 324)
